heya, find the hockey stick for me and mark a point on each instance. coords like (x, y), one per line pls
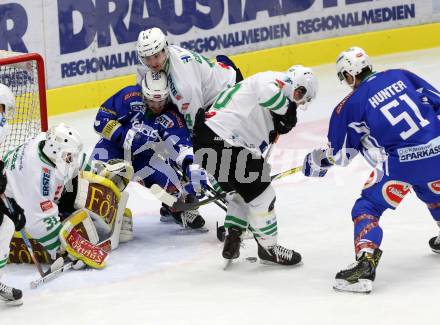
(25, 239)
(286, 173)
(49, 276)
(31, 251)
(106, 245)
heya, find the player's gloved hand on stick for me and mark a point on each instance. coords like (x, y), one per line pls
(16, 215)
(316, 164)
(197, 179)
(285, 123)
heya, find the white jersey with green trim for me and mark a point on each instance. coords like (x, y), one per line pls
(33, 183)
(242, 116)
(194, 81)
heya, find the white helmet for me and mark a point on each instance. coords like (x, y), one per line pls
(155, 86)
(63, 147)
(150, 42)
(303, 78)
(7, 98)
(352, 61)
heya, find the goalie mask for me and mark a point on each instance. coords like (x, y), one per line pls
(63, 147)
(155, 91)
(352, 61)
(151, 48)
(301, 85)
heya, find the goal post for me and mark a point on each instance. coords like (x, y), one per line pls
(23, 73)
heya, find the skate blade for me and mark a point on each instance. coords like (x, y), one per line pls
(270, 263)
(227, 264)
(167, 219)
(188, 230)
(362, 286)
(12, 303)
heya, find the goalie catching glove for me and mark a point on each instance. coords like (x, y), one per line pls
(119, 171)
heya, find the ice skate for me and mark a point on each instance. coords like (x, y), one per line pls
(167, 215)
(231, 247)
(10, 295)
(434, 243)
(192, 219)
(278, 254)
(359, 276)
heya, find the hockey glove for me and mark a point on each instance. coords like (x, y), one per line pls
(16, 215)
(3, 180)
(196, 180)
(285, 123)
(316, 164)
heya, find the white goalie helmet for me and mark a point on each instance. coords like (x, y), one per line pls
(63, 146)
(304, 80)
(352, 61)
(150, 42)
(7, 98)
(155, 86)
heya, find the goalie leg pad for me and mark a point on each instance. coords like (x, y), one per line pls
(79, 247)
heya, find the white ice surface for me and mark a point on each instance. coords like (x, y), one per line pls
(167, 277)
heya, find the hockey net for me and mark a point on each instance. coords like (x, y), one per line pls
(24, 75)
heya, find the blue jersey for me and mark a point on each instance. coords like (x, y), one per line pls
(173, 136)
(154, 142)
(118, 114)
(391, 118)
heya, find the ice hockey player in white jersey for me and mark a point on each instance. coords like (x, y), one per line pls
(193, 79)
(238, 129)
(37, 173)
(9, 220)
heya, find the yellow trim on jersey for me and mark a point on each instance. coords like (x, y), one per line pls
(93, 94)
(110, 128)
(104, 109)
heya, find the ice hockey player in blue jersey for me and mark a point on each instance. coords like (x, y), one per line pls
(141, 125)
(391, 118)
